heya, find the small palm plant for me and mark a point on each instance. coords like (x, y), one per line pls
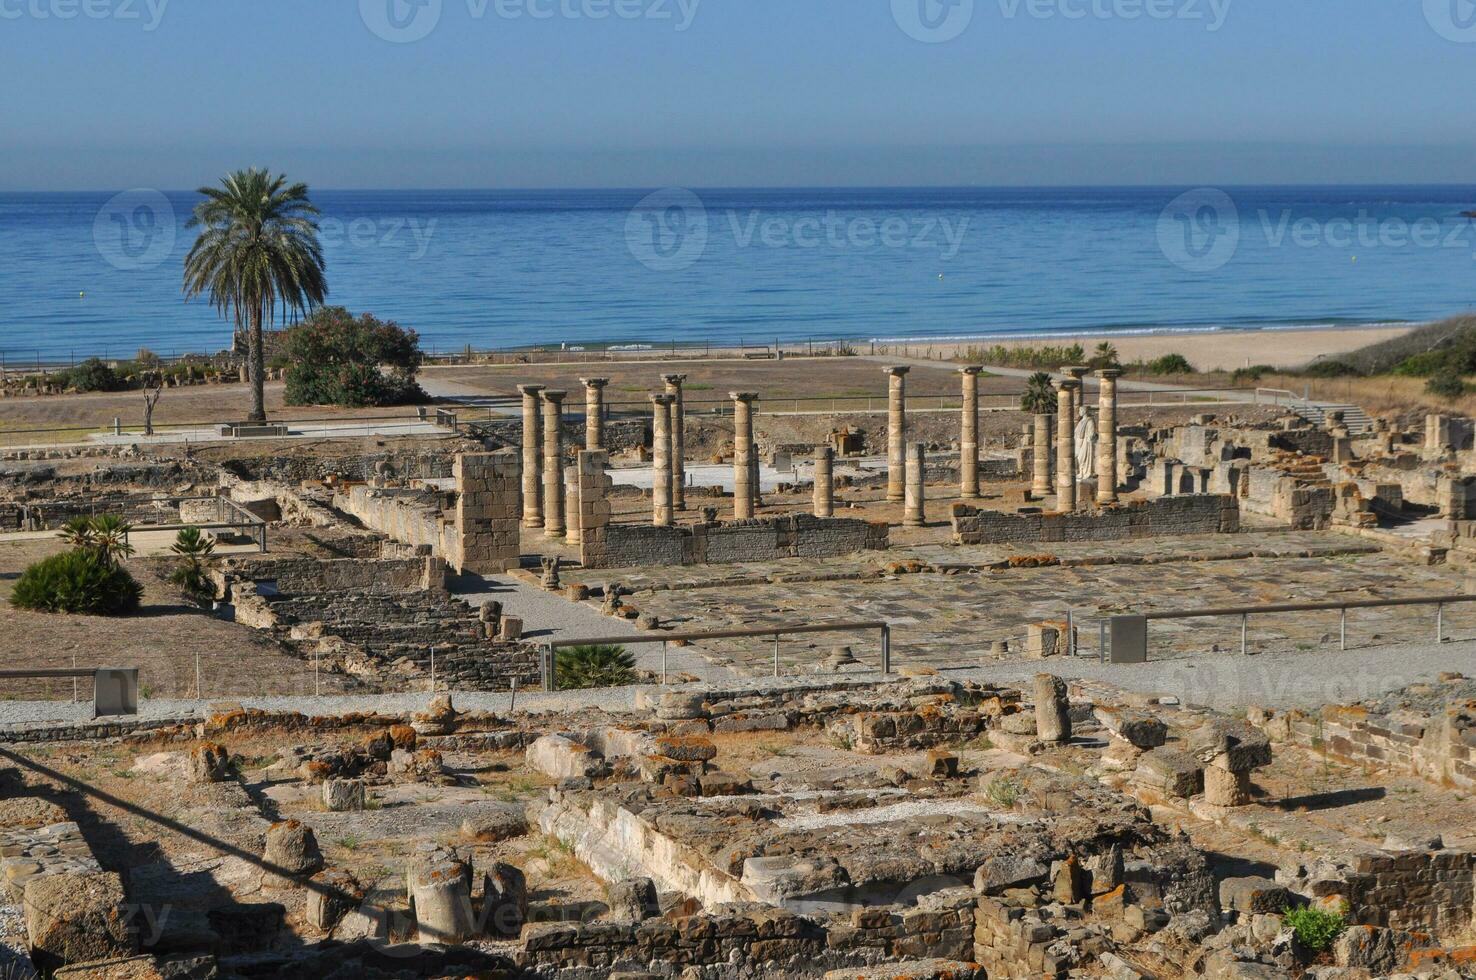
(1040, 395)
(110, 537)
(107, 535)
(77, 533)
(584, 667)
(194, 549)
(1105, 355)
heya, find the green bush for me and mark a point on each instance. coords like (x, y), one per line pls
(1315, 928)
(1170, 364)
(335, 359)
(582, 668)
(1447, 384)
(1425, 365)
(92, 375)
(1251, 374)
(1331, 369)
(82, 580)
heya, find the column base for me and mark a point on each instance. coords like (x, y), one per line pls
(533, 523)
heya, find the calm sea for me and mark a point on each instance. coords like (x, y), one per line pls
(100, 273)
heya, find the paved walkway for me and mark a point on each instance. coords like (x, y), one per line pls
(547, 616)
(1228, 682)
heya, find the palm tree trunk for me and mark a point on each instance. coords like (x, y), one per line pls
(257, 368)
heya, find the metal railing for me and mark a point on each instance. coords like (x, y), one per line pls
(548, 662)
(1125, 638)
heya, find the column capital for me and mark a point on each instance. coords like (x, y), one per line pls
(594, 382)
(896, 370)
(743, 396)
(554, 396)
(531, 390)
(973, 370)
(662, 399)
(1076, 371)
(675, 380)
(1109, 374)
(1068, 384)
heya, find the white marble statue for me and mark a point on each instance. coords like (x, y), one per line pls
(1086, 446)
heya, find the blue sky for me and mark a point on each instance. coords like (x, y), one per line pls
(170, 93)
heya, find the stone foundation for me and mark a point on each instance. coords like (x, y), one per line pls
(1199, 514)
(763, 539)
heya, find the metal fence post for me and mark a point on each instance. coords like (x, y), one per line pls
(776, 654)
(886, 653)
(546, 667)
(1244, 632)
(663, 663)
(1342, 629)
(1440, 622)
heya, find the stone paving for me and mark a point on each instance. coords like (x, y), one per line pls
(952, 617)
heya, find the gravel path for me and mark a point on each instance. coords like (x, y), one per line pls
(549, 616)
(1224, 681)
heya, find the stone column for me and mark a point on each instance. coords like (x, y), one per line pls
(1076, 373)
(1040, 484)
(571, 505)
(1065, 446)
(915, 511)
(825, 482)
(532, 457)
(553, 463)
(594, 413)
(1107, 436)
(897, 433)
(678, 440)
(744, 484)
(661, 511)
(968, 442)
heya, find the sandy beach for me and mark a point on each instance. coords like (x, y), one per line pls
(1223, 350)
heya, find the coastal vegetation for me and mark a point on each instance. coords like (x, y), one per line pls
(586, 667)
(88, 578)
(335, 358)
(257, 258)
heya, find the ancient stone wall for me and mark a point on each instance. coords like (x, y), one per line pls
(763, 539)
(1195, 514)
(295, 576)
(489, 511)
(1437, 747)
(481, 536)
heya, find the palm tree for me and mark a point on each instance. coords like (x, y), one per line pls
(257, 255)
(194, 549)
(1040, 395)
(110, 537)
(1105, 356)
